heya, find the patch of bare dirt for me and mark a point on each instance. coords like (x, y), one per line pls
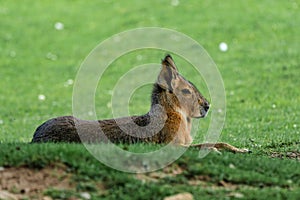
(290, 154)
(198, 180)
(22, 182)
(180, 196)
(169, 171)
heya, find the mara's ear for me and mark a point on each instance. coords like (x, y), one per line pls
(168, 74)
(168, 61)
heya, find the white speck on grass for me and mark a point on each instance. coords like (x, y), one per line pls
(59, 26)
(273, 106)
(51, 56)
(139, 57)
(236, 195)
(256, 145)
(174, 2)
(295, 125)
(85, 195)
(223, 46)
(90, 113)
(42, 97)
(1, 121)
(220, 110)
(68, 82)
(231, 166)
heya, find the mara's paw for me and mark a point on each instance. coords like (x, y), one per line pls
(244, 150)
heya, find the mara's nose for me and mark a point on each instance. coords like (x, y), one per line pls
(206, 106)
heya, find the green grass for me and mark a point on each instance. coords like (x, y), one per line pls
(260, 72)
(252, 175)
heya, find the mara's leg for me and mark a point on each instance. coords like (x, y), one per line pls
(220, 146)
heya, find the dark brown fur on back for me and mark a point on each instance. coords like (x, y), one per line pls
(71, 129)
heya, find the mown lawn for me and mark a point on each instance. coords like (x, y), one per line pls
(260, 71)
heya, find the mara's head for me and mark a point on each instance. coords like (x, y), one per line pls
(180, 93)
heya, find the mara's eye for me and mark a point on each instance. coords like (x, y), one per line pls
(186, 91)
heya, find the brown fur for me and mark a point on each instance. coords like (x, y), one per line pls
(174, 102)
